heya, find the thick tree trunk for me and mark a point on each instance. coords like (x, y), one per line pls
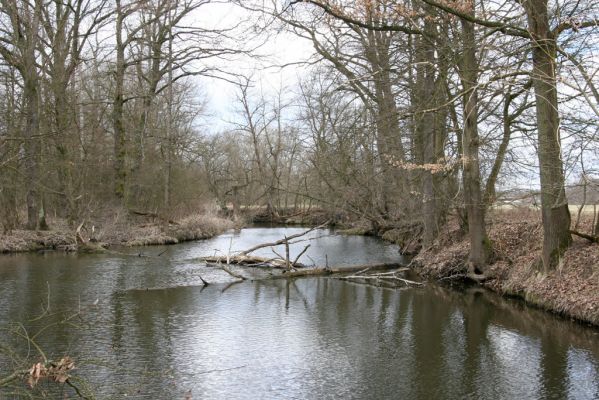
(424, 130)
(65, 146)
(555, 212)
(389, 145)
(480, 247)
(32, 148)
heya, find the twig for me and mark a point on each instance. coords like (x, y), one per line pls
(287, 262)
(233, 274)
(282, 241)
(300, 254)
(203, 281)
(77, 390)
(455, 276)
(15, 375)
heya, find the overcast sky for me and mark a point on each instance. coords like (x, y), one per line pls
(276, 50)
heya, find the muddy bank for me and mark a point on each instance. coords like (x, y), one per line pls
(572, 290)
(122, 229)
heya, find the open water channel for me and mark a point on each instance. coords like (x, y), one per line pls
(146, 328)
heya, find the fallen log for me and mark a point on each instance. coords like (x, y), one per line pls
(282, 241)
(380, 277)
(338, 270)
(252, 261)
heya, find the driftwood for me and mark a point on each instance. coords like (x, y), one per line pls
(387, 279)
(245, 259)
(283, 241)
(252, 261)
(386, 273)
(228, 271)
(380, 277)
(338, 270)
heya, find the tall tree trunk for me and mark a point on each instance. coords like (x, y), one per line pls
(65, 146)
(424, 130)
(169, 123)
(480, 247)
(32, 147)
(554, 205)
(120, 172)
(389, 144)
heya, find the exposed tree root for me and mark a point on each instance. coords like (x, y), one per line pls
(590, 238)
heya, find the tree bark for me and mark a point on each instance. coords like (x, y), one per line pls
(31, 96)
(32, 146)
(120, 173)
(554, 205)
(389, 144)
(424, 130)
(480, 247)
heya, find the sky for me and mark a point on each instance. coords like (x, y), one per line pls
(275, 50)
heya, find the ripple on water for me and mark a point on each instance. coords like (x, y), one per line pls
(159, 333)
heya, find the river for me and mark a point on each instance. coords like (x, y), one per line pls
(144, 327)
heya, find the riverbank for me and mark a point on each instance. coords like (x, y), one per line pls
(572, 290)
(313, 216)
(115, 229)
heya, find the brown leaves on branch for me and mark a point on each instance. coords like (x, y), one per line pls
(462, 6)
(56, 372)
(440, 167)
(365, 10)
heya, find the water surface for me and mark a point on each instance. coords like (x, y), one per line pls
(148, 329)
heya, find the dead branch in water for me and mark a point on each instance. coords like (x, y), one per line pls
(368, 272)
(295, 262)
(385, 276)
(282, 241)
(244, 259)
(338, 270)
(252, 261)
(228, 271)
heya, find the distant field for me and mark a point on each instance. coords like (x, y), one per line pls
(588, 209)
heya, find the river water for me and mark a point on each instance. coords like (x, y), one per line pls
(144, 327)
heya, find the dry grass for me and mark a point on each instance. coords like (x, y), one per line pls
(196, 226)
(117, 228)
(22, 241)
(158, 232)
(571, 290)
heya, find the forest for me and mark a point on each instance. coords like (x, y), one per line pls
(407, 115)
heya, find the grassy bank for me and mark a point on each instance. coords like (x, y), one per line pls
(572, 290)
(121, 228)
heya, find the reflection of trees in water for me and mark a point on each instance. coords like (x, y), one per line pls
(324, 335)
(538, 357)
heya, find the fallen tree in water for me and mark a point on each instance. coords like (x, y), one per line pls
(254, 261)
(244, 258)
(282, 267)
(356, 273)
